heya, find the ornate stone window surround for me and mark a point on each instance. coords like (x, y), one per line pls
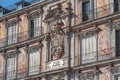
(80, 7)
(35, 19)
(11, 24)
(34, 59)
(11, 66)
(84, 35)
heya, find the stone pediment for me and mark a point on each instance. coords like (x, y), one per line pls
(54, 14)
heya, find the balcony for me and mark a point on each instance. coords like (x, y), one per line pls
(20, 37)
(21, 73)
(11, 75)
(106, 10)
(97, 56)
(24, 72)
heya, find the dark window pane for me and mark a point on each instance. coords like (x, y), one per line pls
(116, 6)
(118, 43)
(32, 29)
(86, 9)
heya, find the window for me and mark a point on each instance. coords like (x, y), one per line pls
(118, 43)
(116, 5)
(11, 68)
(88, 49)
(86, 10)
(35, 27)
(117, 77)
(34, 63)
(12, 34)
(1, 12)
(19, 6)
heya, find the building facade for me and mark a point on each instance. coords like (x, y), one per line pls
(60, 40)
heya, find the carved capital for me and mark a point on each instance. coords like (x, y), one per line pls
(32, 15)
(115, 69)
(88, 33)
(41, 10)
(11, 54)
(33, 49)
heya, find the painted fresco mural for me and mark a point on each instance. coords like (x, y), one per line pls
(2, 34)
(22, 63)
(22, 28)
(105, 74)
(102, 8)
(1, 66)
(104, 40)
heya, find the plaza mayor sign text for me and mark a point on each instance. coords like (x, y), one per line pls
(56, 63)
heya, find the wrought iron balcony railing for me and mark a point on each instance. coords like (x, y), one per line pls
(96, 56)
(20, 73)
(11, 75)
(99, 12)
(26, 72)
(16, 38)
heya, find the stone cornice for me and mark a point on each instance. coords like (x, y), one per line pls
(87, 33)
(27, 9)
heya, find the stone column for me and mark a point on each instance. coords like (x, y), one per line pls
(27, 70)
(17, 54)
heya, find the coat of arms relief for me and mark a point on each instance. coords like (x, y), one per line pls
(57, 36)
(56, 20)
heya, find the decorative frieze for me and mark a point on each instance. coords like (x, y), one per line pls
(88, 75)
(58, 76)
(32, 15)
(88, 33)
(33, 49)
(115, 69)
(112, 25)
(11, 54)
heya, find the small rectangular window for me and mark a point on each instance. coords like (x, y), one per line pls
(35, 27)
(86, 10)
(116, 5)
(1, 12)
(88, 49)
(118, 43)
(117, 77)
(12, 34)
(34, 63)
(19, 7)
(11, 68)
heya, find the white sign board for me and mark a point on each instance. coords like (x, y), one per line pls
(56, 63)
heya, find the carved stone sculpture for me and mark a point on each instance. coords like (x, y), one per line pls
(57, 40)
